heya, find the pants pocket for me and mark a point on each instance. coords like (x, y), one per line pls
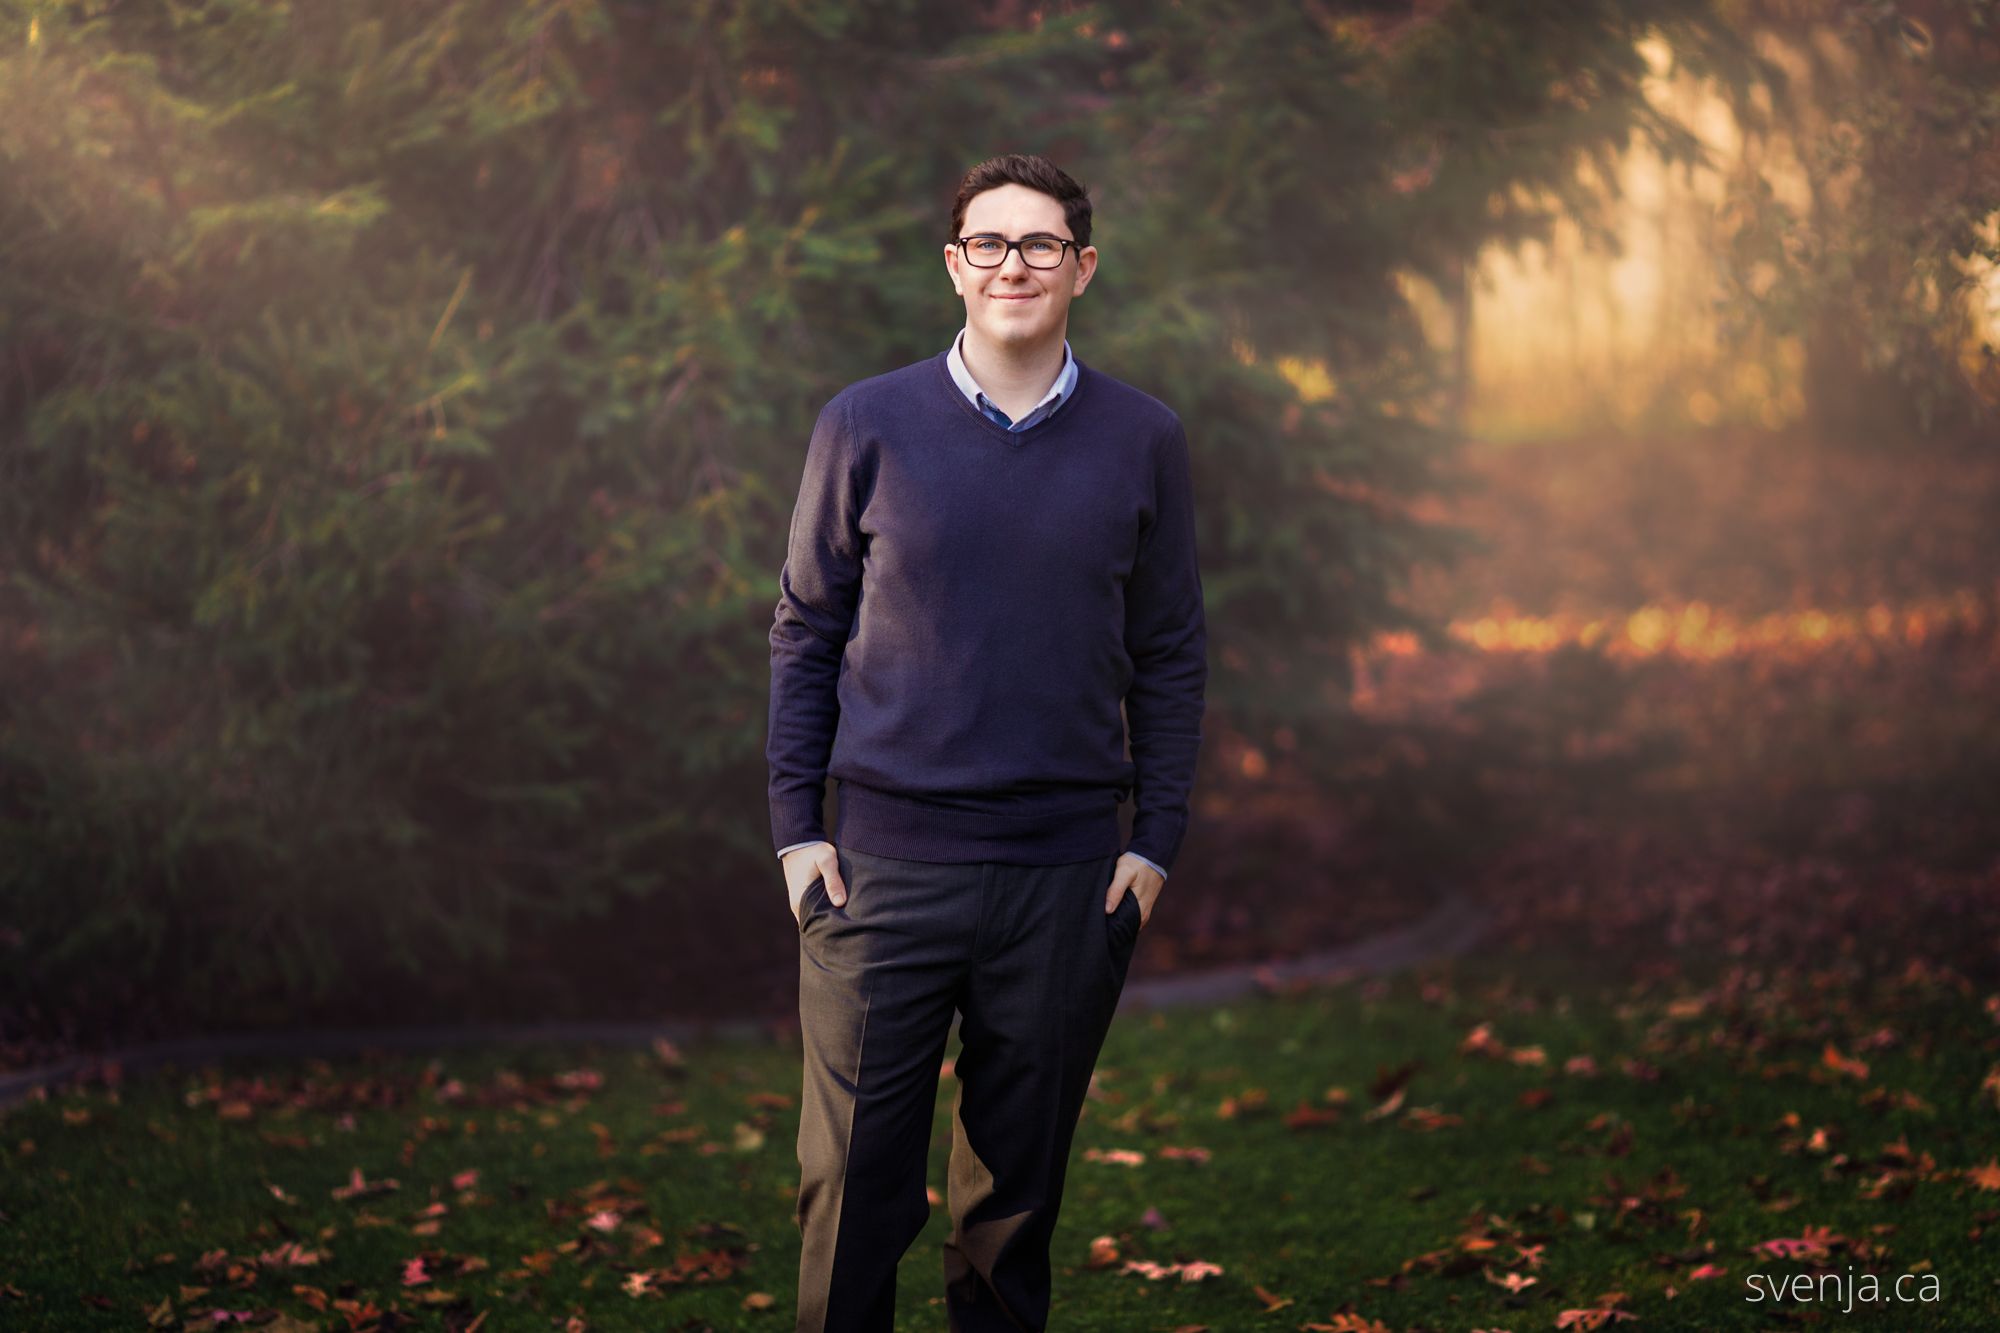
(815, 888)
(1122, 927)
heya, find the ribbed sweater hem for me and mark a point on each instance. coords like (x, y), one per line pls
(912, 829)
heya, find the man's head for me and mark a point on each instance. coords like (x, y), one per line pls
(1030, 200)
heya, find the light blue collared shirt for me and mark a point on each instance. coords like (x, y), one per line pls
(1057, 395)
(1058, 392)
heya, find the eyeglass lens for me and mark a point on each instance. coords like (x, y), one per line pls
(990, 251)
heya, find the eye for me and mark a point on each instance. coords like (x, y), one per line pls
(986, 245)
(1043, 248)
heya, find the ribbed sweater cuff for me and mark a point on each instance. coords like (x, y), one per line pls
(795, 820)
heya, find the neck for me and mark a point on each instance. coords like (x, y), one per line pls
(1013, 370)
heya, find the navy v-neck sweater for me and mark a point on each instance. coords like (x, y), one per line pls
(962, 612)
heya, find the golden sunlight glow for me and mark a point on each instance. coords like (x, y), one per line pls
(1564, 336)
(1308, 377)
(1697, 630)
(1691, 631)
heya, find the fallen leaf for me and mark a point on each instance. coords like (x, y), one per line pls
(357, 1188)
(1834, 1060)
(1306, 1116)
(1347, 1323)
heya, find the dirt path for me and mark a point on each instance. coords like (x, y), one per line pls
(1454, 925)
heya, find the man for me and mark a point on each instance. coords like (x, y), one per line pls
(993, 548)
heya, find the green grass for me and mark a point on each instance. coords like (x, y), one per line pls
(1625, 1183)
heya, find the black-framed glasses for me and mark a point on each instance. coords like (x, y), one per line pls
(989, 251)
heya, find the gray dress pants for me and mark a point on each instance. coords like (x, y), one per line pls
(1032, 963)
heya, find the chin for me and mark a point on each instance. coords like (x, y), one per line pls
(1004, 329)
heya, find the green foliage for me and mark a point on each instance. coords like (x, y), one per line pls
(1892, 116)
(401, 408)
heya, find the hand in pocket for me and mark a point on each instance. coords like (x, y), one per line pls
(805, 864)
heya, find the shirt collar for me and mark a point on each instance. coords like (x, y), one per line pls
(1065, 381)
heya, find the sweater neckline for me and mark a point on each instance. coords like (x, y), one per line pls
(1015, 437)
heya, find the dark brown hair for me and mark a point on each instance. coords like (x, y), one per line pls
(1037, 173)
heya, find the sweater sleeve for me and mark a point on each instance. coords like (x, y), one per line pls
(819, 591)
(1166, 636)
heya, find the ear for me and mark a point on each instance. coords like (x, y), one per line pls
(1086, 266)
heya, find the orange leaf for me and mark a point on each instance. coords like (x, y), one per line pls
(1834, 1060)
(1347, 1323)
(1305, 1116)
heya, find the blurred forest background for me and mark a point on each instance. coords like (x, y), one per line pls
(401, 407)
